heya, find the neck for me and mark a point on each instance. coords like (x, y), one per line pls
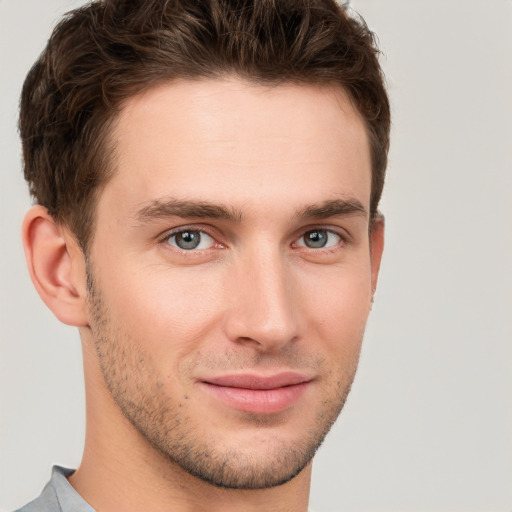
(121, 471)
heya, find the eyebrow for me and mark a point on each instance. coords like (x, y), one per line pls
(165, 208)
(333, 208)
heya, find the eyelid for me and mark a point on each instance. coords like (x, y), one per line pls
(344, 235)
(190, 227)
(330, 245)
(340, 232)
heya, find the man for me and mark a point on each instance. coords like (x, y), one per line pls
(207, 178)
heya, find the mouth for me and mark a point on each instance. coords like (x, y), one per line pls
(258, 394)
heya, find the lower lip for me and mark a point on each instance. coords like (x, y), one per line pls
(258, 401)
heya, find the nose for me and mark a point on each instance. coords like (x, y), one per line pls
(263, 303)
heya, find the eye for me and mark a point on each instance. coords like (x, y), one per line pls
(319, 239)
(190, 239)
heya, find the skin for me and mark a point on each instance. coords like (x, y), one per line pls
(276, 168)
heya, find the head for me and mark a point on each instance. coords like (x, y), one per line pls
(108, 51)
(212, 171)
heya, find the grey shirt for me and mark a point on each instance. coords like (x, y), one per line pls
(58, 496)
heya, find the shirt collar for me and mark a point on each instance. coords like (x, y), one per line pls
(68, 498)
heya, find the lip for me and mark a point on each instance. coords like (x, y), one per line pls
(258, 394)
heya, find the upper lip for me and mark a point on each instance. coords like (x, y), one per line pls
(254, 381)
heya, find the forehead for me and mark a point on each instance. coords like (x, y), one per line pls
(230, 141)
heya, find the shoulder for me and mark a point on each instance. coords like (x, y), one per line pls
(46, 502)
(57, 496)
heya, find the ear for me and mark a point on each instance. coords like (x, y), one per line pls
(56, 265)
(376, 247)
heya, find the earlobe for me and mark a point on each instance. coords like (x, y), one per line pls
(56, 266)
(376, 247)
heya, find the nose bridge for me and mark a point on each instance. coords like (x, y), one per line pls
(263, 305)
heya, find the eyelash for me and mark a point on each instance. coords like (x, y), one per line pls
(339, 239)
(191, 229)
(342, 239)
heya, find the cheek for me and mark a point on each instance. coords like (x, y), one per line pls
(164, 307)
(339, 308)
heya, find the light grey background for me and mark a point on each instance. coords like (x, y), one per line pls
(428, 426)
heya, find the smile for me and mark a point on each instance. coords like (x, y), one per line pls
(256, 394)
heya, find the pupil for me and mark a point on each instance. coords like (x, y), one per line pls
(188, 239)
(316, 239)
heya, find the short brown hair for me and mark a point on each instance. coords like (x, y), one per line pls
(109, 50)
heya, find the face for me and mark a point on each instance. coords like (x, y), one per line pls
(231, 273)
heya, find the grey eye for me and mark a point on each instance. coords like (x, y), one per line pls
(319, 239)
(190, 239)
